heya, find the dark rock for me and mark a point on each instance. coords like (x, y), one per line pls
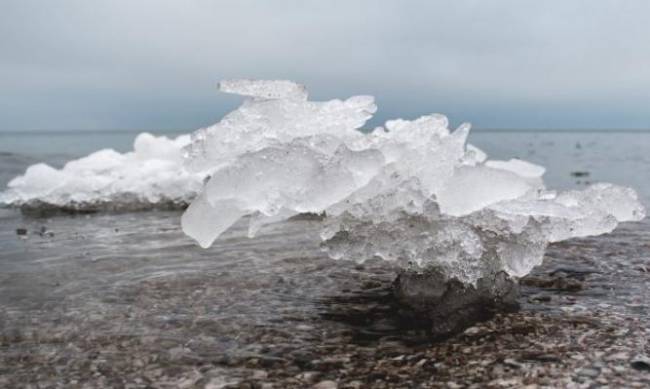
(44, 232)
(641, 363)
(269, 361)
(557, 282)
(371, 285)
(453, 306)
(540, 298)
(301, 358)
(308, 216)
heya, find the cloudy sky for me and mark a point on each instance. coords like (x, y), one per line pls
(155, 64)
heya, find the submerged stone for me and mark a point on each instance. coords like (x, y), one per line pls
(451, 305)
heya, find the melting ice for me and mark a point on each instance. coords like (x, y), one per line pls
(412, 192)
(152, 175)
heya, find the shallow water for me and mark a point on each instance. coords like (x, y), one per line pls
(77, 288)
(142, 263)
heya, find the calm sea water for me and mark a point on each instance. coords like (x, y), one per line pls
(75, 286)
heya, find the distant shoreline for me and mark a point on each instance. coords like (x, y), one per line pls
(183, 131)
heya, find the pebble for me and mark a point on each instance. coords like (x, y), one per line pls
(512, 363)
(421, 363)
(589, 372)
(326, 385)
(620, 356)
(260, 374)
(308, 376)
(219, 383)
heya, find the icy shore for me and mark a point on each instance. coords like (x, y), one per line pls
(410, 192)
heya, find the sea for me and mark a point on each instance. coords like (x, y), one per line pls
(75, 286)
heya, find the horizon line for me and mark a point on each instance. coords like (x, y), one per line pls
(185, 131)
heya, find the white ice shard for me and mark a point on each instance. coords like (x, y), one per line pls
(151, 175)
(412, 192)
(266, 89)
(276, 113)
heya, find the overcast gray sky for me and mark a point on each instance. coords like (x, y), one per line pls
(154, 64)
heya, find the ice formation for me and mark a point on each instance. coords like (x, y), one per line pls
(151, 175)
(412, 192)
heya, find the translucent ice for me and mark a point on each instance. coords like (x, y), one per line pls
(412, 192)
(276, 113)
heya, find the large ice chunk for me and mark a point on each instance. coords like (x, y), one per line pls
(412, 192)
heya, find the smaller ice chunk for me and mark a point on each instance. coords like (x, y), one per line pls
(621, 202)
(474, 155)
(473, 188)
(152, 175)
(265, 89)
(429, 125)
(519, 167)
(205, 220)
